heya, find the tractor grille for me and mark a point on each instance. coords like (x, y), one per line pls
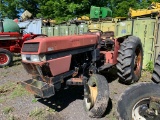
(30, 47)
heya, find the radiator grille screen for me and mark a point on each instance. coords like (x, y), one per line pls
(30, 47)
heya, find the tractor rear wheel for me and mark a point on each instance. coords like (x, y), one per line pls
(97, 102)
(130, 57)
(6, 57)
(156, 71)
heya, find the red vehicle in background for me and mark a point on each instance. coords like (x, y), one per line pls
(11, 40)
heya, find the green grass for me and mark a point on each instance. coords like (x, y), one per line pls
(7, 110)
(16, 60)
(34, 100)
(36, 112)
(12, 90)
(41, 113)
(149, 67)
(4, 74)
(5, 67)
(18, 92)
(12, 117)
(2, 100)
(6, 88)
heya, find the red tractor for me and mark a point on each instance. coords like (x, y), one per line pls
(60, 61)
(11, 40)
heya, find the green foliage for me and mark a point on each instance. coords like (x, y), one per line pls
(30, 5)
(62, 10)
(149, 67)
(8, 9)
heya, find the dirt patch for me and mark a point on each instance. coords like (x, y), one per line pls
(67, 104)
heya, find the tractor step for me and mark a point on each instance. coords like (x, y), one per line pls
(74, 81)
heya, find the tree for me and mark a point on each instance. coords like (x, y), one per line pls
(12, 8)
(121, 8)
(63, 9)
(8, 9)
(31, 5)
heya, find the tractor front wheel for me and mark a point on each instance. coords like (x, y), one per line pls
(6, 57)
(97, 102)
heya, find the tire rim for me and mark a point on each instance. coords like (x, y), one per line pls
(136, 109)
(87, 104)
(93, 95)
(3, 58)
(137, 61)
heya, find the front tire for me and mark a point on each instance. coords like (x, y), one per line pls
(99, 96)
(130, 57)
(135, 99)
(6, 57)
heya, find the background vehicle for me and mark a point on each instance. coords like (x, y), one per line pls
(60, 61)
(153, 9)
(142, 101)
(11, 40)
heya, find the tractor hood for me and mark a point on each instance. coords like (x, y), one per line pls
(58, 43)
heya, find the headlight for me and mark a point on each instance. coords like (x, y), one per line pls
(33, 58)
(23, 57)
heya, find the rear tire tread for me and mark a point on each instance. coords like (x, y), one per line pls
(156, 71)
(125, 60)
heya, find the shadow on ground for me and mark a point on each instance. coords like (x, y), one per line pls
(63, 98)
(110, 74)
(16, 60)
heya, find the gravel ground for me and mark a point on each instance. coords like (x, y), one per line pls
(65, 105)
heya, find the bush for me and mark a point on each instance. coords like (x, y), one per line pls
(149, 67)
